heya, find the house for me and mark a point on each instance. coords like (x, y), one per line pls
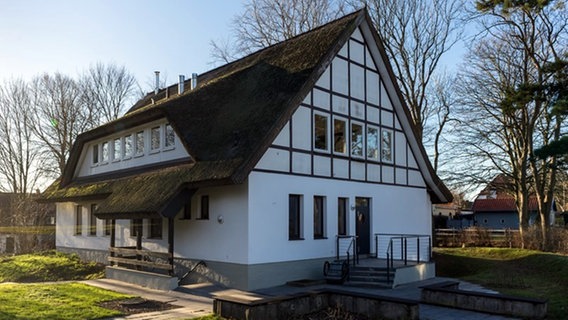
(254, 170)
(25, 226)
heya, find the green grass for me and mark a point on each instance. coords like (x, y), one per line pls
(47, 266)
(511, 271)
(55, 301)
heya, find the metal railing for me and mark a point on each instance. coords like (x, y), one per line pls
(346, 246)
(402, 247)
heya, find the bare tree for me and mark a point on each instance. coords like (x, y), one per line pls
(266, 22)
(416, 35)
(108, 89)
(18, 154)
(505, 116)
(58, 117)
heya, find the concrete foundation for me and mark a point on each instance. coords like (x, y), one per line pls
(141, 278)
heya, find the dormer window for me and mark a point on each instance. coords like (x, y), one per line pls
(139, 143)
(116, 149)
(128, 147)
(170, 136)
(155, 138)
(96, 154)
(105, 151)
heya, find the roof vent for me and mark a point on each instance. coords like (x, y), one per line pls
(180, 85)
(193, 81)
(157, 88)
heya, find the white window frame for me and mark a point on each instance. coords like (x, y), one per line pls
(346, 133)
(363, 138)
(102, 152)
(124, 155)
(135, 135)
(327, 131)
(165, 131)
(160, 132)
(98, 159)
(378, 145)
(382, 146)
(116, 159)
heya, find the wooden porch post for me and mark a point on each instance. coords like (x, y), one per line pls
(112, 238)
(171, 244)
(138, 227)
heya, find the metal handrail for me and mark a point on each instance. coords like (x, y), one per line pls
(352, 246)
(404, 248)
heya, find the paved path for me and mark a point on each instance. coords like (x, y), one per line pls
(197, 300)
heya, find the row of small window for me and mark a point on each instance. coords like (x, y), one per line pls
(357, 142)
(295, 217)
(162, 137)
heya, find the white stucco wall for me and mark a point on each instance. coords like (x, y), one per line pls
(394, 209)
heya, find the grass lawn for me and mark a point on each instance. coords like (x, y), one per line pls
(47, 266)
(55, 301)
(510, 271)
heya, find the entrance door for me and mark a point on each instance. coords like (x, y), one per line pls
(363, 225)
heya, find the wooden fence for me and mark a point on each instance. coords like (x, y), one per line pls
(469, 237)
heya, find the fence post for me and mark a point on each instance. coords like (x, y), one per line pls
(417, 250)
(405, 252)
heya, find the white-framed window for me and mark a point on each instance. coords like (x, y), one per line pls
(140, 143)
(339, 135)
(386, 145)
(78, 220)
(295, 217)
(169, 139)
(155, 228)
(321, 132)
(105, 151)
(357, 139)
(116, 149)
(155, 138)
(128, 147)
(203, 208)
(319, 217)
(372, 142)
(95, 154)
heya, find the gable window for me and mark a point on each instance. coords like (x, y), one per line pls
(128, 146)
(339, 141)
(357, 140)
(320, 132)
(204, 211)
(170, 136)
(96, 154)
(116, 152)
(319, 217)
(342, 216)
(294, 217)
(139, 143)
(386, 145)
(155, 228)
(187, 211)
(105, 151)
(372, 143)
(93, 221)
(155, 138)
(78, 220)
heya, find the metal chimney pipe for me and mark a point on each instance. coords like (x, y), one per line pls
(193, 81)
(157, 88)
(180, 85)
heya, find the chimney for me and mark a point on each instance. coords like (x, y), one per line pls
(193, 81)
(180, 85)
(157, 88)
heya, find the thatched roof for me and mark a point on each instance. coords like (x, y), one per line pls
(225, 124)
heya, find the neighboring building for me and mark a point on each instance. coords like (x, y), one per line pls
(256, 166)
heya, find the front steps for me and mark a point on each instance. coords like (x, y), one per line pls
(361, 276)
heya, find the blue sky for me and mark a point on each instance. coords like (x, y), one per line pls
(173, 36)
(38, 36)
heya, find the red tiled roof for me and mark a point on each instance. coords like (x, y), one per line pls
(500, 205)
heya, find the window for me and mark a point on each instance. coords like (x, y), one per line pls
(357, 140)
(187, 211)
(339, 141)
(294, 217)
(170, 137)
(135, 226)
(105, 151)
(372, 143)
(319, 217)
(155, 138)
(155, 228)
(139, 143)
(204, 213)
(386, 146)
(320, 132)
(96, 154)
(116, 153)
(128, 146)
(108, 227)
(342, 216)
(93, 221)
(78, 220)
